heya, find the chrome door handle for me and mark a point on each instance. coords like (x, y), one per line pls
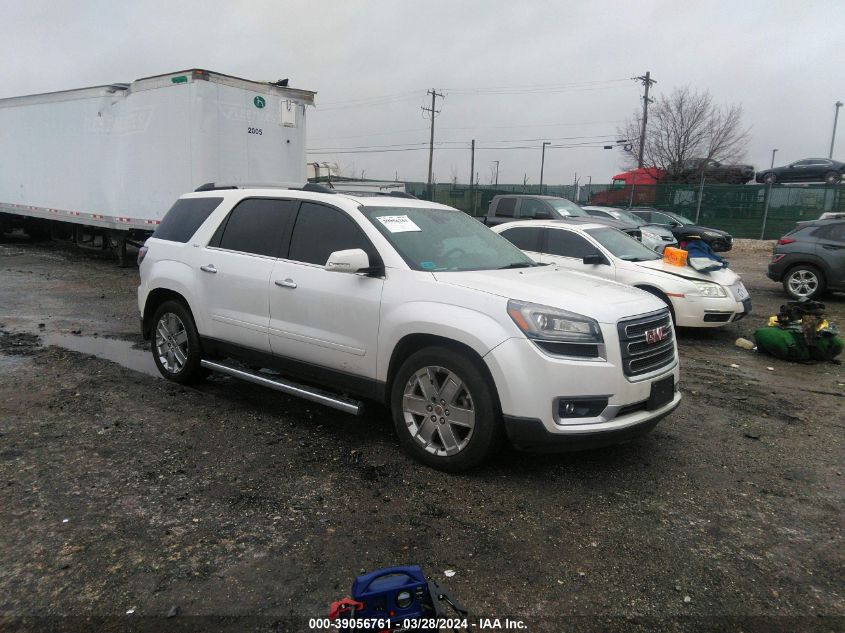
(209, 268)
(286, 283)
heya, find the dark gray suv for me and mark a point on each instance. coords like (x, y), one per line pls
(810, 259)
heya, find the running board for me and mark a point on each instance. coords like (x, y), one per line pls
(347, 405)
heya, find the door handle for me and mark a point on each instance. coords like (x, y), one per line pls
(209, 268)
(832, 247)
(286, 283)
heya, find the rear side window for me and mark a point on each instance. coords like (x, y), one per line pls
(321, 230)
(834, 232)
(536, 209)
(506, 207)
(256, 226)
(567, 244)
(524, 238)
(185, 217)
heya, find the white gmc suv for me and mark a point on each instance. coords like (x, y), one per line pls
(410, 303)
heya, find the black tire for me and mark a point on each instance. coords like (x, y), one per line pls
(162, 346)
(770, 178)
(804, 281)
(832, 178)
(450, 445)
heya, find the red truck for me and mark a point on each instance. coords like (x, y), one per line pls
(642, 182)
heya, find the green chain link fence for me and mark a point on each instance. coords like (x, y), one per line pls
(748, 211)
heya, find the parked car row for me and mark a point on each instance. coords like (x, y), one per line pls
(694, 299)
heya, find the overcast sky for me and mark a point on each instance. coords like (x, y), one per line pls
(513, 73)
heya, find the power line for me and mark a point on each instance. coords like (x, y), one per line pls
(587, 145)
(596, 138)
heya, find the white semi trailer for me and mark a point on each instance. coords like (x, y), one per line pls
(102, 165)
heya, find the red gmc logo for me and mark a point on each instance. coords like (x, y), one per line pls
(656, 335)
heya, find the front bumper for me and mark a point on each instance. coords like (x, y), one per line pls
(695, 311)
(529, 434)
(530, 384)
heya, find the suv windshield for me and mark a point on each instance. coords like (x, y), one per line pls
(567, 208)
(622, 245)
(444, 240)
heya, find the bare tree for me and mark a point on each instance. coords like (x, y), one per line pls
(684, 125)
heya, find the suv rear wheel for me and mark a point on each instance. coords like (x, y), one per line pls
(175, 344)
(444, 410)
(804, 282)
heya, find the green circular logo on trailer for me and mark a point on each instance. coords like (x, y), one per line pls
(259, 101)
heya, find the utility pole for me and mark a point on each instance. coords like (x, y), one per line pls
(433, 113)
(774, 151)
(471, 173)
(542, 164)
(838, 105)
(497, 172)
(646, 81)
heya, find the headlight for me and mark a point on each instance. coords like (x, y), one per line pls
(552, 324)
(709, 289)
(648, 235)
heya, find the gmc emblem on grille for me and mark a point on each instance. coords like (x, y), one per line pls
(656, 335)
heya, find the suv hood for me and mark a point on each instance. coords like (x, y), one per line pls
(604, 301)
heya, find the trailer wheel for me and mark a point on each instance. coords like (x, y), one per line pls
(175, 344)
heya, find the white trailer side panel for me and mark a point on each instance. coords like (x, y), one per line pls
(118, 156)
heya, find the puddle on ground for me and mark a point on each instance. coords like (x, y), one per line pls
(115, 350)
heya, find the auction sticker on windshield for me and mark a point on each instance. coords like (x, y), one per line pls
(398, 223)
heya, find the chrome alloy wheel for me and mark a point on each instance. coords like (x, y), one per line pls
(171, 341)
(803, 283)
(438, 410)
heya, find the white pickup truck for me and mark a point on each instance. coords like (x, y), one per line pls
(414, 304)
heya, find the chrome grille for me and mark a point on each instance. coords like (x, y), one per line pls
(638, 355)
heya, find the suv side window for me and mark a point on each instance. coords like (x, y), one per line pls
(533, 208)
(567, 244)
(661, 218)
(320, 230)
(524, 237)
(257, 226)
(184, 218)
(833, 232)
(505, 207)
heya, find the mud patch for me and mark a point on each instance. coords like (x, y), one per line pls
(18, 343)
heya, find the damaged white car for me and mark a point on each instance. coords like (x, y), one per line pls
(696, 299)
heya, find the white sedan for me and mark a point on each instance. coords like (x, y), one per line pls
(696, 299)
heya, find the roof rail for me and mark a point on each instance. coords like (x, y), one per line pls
(213, 186)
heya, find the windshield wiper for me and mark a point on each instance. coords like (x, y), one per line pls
(517, 265)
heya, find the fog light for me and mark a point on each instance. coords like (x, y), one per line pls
(580, 407)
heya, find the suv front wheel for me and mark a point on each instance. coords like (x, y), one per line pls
(175, 344)
(444, 410)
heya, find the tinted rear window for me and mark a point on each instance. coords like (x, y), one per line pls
(184, 218)
(505, 207)
(257, 226)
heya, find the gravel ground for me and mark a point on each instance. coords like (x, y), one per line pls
(232, 507)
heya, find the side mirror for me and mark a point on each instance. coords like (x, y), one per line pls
(594, 259)
(352, 260)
